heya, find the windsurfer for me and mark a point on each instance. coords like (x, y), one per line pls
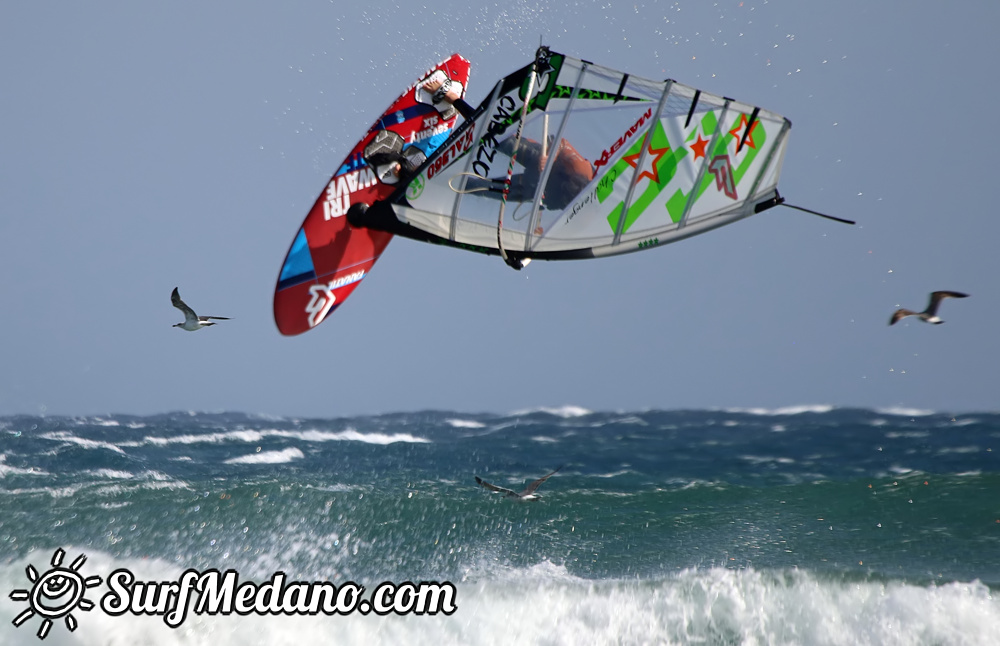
(570, 174)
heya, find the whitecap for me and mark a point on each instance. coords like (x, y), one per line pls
(206, 438)
(785, 410)
(268, 457)
(631, 419)
(910, 435)
(69, 438)
(613, 474)
(465, 423)
(764, 459)
(6, 470)
(351, 435)
(113, 505)
(252, 436)
(565, 412)
(111, 474)
(904, 412)
(959, 449)
(115, 474)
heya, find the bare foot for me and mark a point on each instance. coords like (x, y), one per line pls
(432, 85)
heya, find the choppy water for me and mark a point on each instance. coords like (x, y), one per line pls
(801, 526)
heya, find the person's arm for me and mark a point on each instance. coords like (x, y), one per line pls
(449, 93)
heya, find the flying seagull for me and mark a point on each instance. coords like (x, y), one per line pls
(527, 494)
(929, 314)
(192, 322)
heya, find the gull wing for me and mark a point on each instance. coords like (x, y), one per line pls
(175, 300)
(493, 487)
(901, 313)
(937, 297)
(537, 483)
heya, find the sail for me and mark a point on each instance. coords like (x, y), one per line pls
(604, 163)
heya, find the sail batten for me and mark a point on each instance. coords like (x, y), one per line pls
(704, 165)
(553, 156)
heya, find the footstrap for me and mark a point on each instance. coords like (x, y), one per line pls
(442, 92)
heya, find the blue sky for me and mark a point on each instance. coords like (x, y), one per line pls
(151, 146)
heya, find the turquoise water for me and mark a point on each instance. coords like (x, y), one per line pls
(799, 526)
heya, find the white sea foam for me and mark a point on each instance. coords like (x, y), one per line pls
(98, 421)
(765, 459)
(114, 505)
(465, 423)
(959, 450)
(631, 419)
(565, 412)
(376, 438)
(207, 438)
(613, 474)
(6, 470)
(255, 436)
(785, 410)
(55, 492)
(115, 474)
(112, 474)
(546, 604)
(269, 457)
(910, 435)
(68, 438)
(902, 411)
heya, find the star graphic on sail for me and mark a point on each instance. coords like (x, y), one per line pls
(698, 147)
(737, 132)
(652, 159)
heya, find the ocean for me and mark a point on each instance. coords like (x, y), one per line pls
(807, 525)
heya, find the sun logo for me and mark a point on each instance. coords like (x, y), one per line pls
(55, 594)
